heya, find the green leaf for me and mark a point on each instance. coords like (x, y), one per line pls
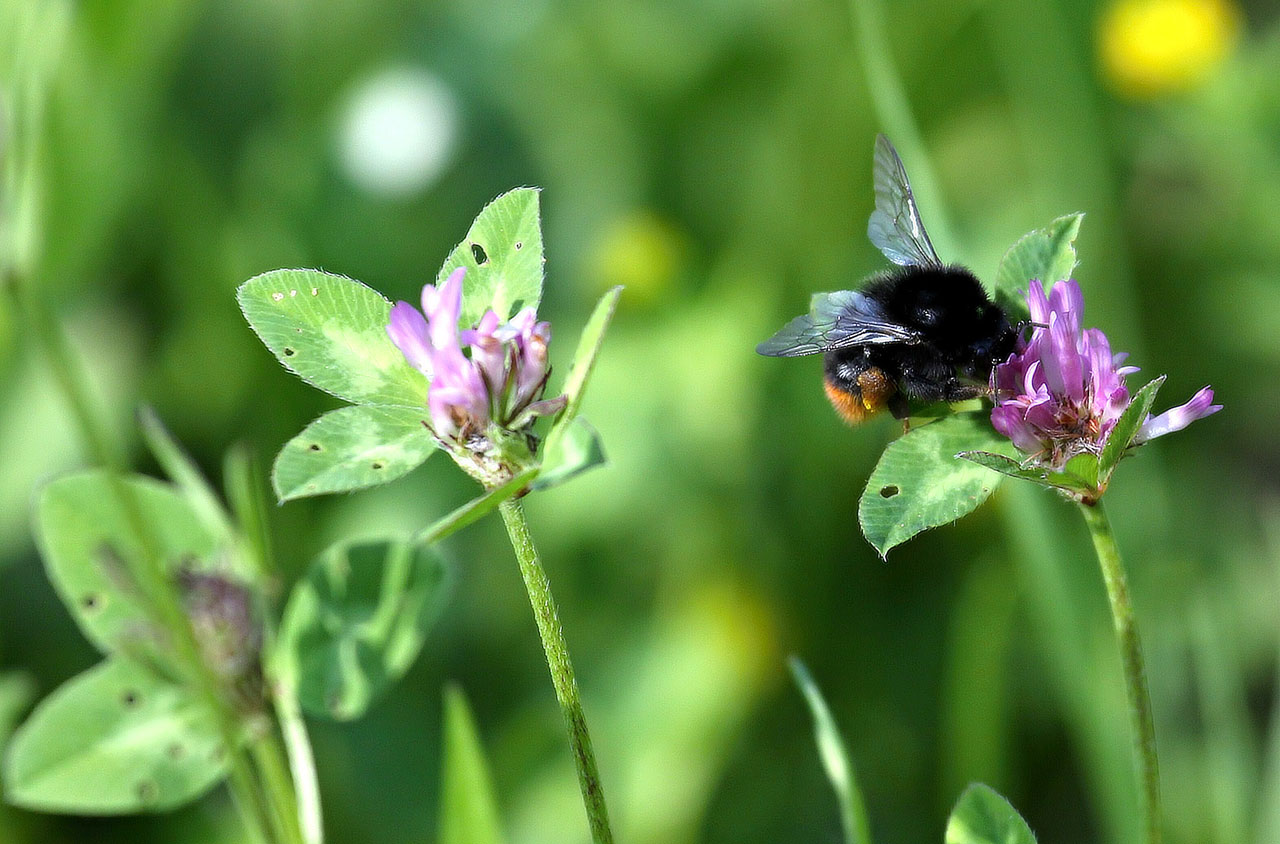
(1047, 254)
(503, 256)
(835, 759)
(352, 448)
(355, 624)
(1127, 427)
(919, 483)
(114, 740)
(90, 550)
(17, 690)
(1084, 468)
(331, 331)
(569, 451)
(1038, 475)
(584, 358)
(184, 472)
(468, 802)
(982, 816)
(475, 509)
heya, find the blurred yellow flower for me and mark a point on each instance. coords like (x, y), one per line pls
(642, 252)
(1153, 47)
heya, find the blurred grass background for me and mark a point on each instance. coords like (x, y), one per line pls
(714, 157)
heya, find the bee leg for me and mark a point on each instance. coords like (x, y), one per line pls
(957, 390)
(901, 409)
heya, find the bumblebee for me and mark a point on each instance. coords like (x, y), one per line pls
(923, 330)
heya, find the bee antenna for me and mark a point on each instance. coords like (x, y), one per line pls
(1027, 323)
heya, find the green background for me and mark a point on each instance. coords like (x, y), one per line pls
(715, 158)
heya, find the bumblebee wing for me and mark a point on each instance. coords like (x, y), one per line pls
(895, 227)
(836, 321)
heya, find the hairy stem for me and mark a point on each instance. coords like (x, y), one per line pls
(544, 612)
(1135, 675)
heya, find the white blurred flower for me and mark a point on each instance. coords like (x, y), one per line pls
(398, 132)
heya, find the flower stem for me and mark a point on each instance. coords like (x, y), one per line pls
(302, 765)
(269, 758)
(1135, 676)
(544, 612)
(248, 507)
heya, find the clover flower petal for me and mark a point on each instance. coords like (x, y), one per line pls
(1175, 419)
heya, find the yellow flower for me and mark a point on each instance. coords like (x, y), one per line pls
(642, 252)
(1154, 47)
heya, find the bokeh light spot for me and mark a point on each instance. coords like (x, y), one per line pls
(398, 132)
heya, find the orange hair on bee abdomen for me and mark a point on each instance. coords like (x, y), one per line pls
(874, 389)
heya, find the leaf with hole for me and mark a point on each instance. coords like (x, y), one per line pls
(503, 256)
(1047, 254)
(357, 621)
(919, 482)
(1127, 427)
(570, 450)
(982, 816)
(468, 800)
(331, 331)
(352, 448)
(114, 740)
(835, 758)
(90, 551)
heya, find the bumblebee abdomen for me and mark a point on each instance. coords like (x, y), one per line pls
(858, 398)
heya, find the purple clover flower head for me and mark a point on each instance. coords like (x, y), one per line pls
(1062, 391)
(501, 380)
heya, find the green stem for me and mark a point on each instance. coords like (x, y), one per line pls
(544, 612)
(270, 761)
(1135, 676)
(244, 492)
(302, 764)
(162, 601)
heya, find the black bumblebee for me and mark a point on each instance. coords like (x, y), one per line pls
(923, 330)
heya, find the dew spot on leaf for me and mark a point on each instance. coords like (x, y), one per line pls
(176, 750)
(477, 252)
(315, 447)
(130, 699)
(377, 465)
(92, 602)
(889, 491)
(288, 352)
(519, 244)
(277, 296)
